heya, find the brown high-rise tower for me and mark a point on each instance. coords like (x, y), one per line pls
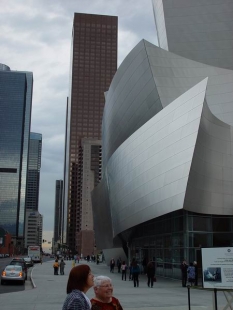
(93, 65)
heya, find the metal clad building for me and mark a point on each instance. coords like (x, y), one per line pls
(196, 29)
(167, 164)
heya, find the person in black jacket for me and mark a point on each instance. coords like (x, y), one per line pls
(150, 273)
(196, 273)
(112, 265)
(135, 273)
(184, 267)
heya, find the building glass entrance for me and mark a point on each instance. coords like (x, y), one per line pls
(179, 235)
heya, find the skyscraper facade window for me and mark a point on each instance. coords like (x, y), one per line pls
(93, 65)
(15, 120)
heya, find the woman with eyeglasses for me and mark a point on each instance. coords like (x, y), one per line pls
(103, 299)
(80, 281)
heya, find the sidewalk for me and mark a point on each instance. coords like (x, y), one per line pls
(50, 292)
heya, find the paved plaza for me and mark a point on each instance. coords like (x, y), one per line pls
(49, 292)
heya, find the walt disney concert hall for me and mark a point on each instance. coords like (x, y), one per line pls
(167, 186)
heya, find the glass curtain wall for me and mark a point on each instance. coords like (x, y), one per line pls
(179, 235)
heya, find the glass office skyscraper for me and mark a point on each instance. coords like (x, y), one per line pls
(15, 120)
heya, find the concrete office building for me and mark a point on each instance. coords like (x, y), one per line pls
(15, 120)
(93, 65)
(167, 159)
(91, 176)
(34, 228)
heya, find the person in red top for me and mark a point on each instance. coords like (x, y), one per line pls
(103, 299)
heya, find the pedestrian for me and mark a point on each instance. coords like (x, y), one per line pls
(135, 273)
(184, 268)
(196, 273)
(191, 274)
(80, 281)
(119, 265)
(62, 267)
(144, 264)
(55, 267)
(103, 299)
(150, 273)
(130, 271)
(112, 265)
(123, 270)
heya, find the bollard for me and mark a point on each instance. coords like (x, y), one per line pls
(73, 263)
(215, 299)
(188, 287)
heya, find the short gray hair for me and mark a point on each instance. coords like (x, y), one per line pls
(100, 279)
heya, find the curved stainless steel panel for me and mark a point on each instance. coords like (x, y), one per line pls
(148, 173)
(210, 184)
(174, 75)
(102, 216)
(167, 141)
(196, 29)
(148, 80)
(132, 100)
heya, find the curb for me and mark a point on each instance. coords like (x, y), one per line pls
(31, 278)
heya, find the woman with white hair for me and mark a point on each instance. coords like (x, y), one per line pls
(103, 299)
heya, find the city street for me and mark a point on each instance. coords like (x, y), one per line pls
(15, 286)
(50, 291)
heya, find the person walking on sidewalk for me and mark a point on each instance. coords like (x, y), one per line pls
(191, 274)
(80, 281)
(119, 265)
(62, 267)
(55, 267)
(150, 273)
(112, 265)
(135, 273)
(130, 270)
(123, 270)
(184, 268)
(196, 273)
(103, 299)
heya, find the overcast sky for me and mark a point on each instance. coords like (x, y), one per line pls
(36, 36)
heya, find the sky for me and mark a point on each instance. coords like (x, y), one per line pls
(36, 36)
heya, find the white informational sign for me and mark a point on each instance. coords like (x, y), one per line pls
(217, 267)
